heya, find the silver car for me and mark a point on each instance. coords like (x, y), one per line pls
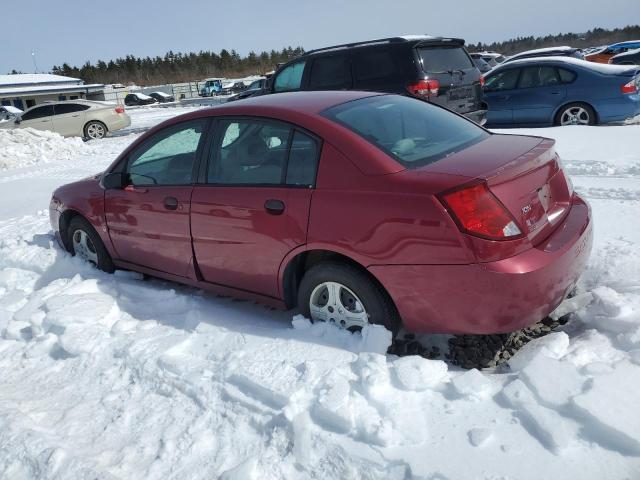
(75, 118)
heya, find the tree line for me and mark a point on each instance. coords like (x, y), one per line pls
(178, 67)
(592, 38)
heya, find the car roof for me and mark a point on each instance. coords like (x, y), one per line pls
(399, 40)
(626, 43)
(576, 62)
(628, 53)
(91, 103)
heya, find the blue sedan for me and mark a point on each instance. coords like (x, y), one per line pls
(561, 91)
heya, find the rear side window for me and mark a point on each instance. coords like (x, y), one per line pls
(62, 108)
(504, 80)
(566, 76)
(413, 132)
(373, 64)
(532, 77)
(443, 59)
(290, 78)
(330, 72)
(303, 160)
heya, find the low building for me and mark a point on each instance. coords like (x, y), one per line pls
(26, 90)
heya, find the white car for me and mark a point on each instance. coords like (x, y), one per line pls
(7, 112)
(75, 118)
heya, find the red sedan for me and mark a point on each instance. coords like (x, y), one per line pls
(353, 207)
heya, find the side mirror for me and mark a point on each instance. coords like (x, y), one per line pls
(114, 181)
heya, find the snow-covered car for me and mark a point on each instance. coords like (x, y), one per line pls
(230, 88)
(7, 112)
(563, 51)
(632, 57)
(76, 118)
(138, 98)
(162, 97)
(255, 88)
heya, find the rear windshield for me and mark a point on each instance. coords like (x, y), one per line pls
(413, 132)
(444, 59)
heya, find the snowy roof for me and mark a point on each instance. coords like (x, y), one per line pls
(598, 67)
(35, 79)
(11, 90)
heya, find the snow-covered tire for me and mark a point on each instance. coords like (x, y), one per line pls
(352, 284)
(84, 241)
(576, 113)
(95, 130)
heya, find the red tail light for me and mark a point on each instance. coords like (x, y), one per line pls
(630, 87)
(482, 80)
(478, 212)
(424, 88)
(119, 109)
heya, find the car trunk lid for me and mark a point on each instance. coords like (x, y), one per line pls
(524, 173)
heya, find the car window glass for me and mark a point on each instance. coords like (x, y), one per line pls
(290, 78)
(38, 112)
(303, 160)
(566, 76)
(504, 80)
(373, 64)
(249, 152)
(168, 157)
(330, 72)
(538, 76)
(444, 59)
(412, 132)
(62, 108)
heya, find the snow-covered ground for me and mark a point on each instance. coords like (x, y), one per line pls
(116, 377)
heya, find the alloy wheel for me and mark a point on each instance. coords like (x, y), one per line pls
(575, 116)
(335, 303)
(95, 131)
(83, 247)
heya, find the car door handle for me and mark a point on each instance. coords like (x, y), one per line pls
(171, 203)
(274, 206)
(556, 93)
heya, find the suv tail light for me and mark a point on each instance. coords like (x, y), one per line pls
(482, 80)
(630, 87)
(119, 109)
(424, 88)
(478, 212)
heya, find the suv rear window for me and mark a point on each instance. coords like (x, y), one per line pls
(413, 132)
(444, 59)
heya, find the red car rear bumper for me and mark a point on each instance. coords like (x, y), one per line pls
(494, 297)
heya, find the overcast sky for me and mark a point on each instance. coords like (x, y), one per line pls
(74, 31)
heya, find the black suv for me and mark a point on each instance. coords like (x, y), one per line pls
(434, 69)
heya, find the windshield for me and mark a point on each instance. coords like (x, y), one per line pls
(444, 59)
(413, 132)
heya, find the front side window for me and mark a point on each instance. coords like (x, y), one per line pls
(62, 108)
(290, 78)
(504, 80)
(413, 132)
(249, 153)
(330, 72)
(168, 157)
(39, 112)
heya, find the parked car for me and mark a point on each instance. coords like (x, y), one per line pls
(355, 207)
(7, 112)
(162, 97)
(492, 58)
(561, 91)
(605, 54)
(632, 57)
(255, 88)
(548, 52)
(73, 118)
(482, 65)
(435, 69)
(230, 88)
(138, 98)
(211, 87)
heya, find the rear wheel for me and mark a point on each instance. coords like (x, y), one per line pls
(85, 243)
(576, 114)
(95, 130)
(346, 296)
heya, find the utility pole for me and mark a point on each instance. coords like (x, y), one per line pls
(35, 65)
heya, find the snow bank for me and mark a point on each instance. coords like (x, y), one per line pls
(26, 146)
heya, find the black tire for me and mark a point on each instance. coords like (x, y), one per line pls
(378, 305)
(589, 110)
(78, 223)
(95, 126)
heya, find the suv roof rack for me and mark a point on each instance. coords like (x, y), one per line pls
(390, 40)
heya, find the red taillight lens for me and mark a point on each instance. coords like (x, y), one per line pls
(482, 80)
(119, 109)
(478, 212)
(424, 88)
(630, 87)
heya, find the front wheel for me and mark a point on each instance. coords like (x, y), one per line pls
(85, 243)
(576, 114)
(95, 130)
(345, 296)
